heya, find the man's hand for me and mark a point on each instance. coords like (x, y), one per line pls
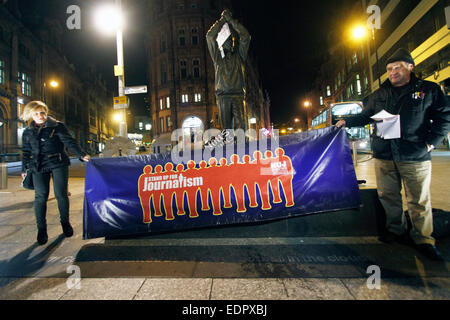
(430, 147)
(24, 175)
(340, 123)
(86, 158)
(226, 14)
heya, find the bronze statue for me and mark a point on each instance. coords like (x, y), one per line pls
(228, 43)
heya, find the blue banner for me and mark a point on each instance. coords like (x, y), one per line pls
(310, 172)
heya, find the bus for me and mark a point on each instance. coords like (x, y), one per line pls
(339, 111)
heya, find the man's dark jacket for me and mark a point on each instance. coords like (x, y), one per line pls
(43, 148)
(424, 116)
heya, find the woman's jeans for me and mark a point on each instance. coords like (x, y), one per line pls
(42, 189)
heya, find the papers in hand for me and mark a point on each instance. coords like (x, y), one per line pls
(389, 128)
(223, 35)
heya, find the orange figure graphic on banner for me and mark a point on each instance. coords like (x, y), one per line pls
(204, 189)
(252, 171)
(191, 189)
(157, 193)
(286, 179)
(144, 195)
(179, 192)
(226, 186)
(274, 180)
(213, 172)
(237, 182)
(167, 196)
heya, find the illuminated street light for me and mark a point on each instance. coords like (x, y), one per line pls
(108, 19)
(118, 117)
(307, 104)
(54, 84)
(359, 33)
(296, 120)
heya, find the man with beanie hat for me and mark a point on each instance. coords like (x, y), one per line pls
(424, 121)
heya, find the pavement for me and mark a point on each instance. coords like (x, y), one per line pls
(319, 257)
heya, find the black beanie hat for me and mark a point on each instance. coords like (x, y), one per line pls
(401, 55)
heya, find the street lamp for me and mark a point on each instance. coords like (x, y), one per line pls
(359, 33)
(307, 104)
(109, 19)
(53, 84)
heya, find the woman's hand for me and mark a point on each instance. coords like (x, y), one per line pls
(24, 175)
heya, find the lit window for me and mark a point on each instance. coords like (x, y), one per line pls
(184, 98)
(328, 91)
(358, 85)
(355, 58)
(141, 125)
(168, 102)
(198, 97)
(161, 104)
(25, 83)
(321, 100)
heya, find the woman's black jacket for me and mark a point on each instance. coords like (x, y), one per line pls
(43, 147)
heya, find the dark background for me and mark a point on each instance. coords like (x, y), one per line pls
(289, 42)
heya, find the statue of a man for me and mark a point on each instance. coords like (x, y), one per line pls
(228, 43)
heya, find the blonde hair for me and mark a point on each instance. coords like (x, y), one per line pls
(31, 107)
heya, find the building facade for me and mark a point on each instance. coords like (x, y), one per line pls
(181, 72)
(33, 67)
(418, 26)
(353, 70)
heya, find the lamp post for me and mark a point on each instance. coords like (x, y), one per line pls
(358, 33)
(307, 104)
(53, 84)
(110, 19)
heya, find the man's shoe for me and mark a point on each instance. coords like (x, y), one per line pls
(67, 229)
(430, 251)
(42, 237)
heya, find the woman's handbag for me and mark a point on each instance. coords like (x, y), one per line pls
(27, 182)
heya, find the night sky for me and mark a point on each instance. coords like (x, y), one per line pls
(289, 42)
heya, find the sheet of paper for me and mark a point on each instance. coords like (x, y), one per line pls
(389, 129)
(223, 35)
(383, 115)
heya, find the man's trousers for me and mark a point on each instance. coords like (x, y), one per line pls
(416, 178)
(232, 112)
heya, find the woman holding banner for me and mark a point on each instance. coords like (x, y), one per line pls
(44, 156)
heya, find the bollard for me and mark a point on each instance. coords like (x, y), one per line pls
(355, 154)
(3, 175)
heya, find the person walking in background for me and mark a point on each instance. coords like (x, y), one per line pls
(44, 156)
(405, 157)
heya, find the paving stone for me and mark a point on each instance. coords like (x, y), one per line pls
(401, 289)
(316, 289)
(175, 289)
(104, 289)
(248, 289)
(32, 288)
